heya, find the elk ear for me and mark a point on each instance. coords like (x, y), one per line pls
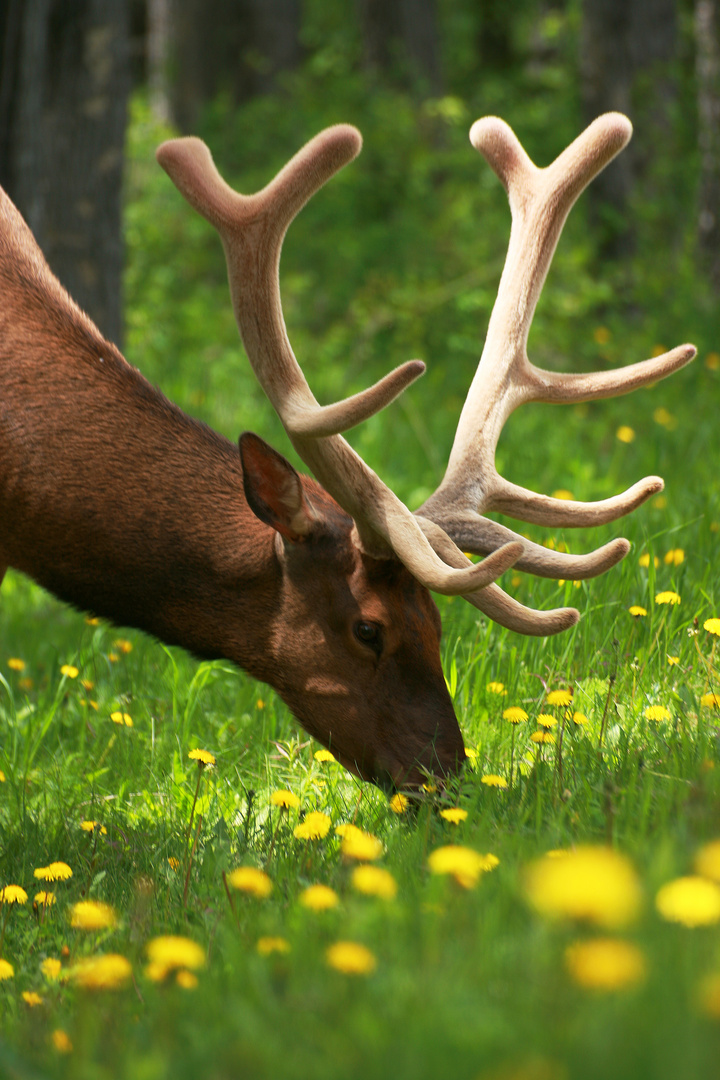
(273, 489)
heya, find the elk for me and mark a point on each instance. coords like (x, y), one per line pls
(118, 503)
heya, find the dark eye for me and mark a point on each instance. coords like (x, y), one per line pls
(369, 634)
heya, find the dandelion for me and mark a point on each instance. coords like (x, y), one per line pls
(637, 611)
(315, 826)
(674, 557)
(324, 755)
(122, 718)
(493, 780)
(360, 845)
(259, 704)
(692, 901)
(186, 980)
(707, 861)
(69, 671)
(123, 645)
(399, 802)
(515, 715)
(56, 871)
(592, 883)
(16, 664)
(667, 597)
(87, 684)
(579, 719)
(462, 863)
(91, 826)
(664, 418)
(454, 814)
(113, 657)
(46, 899)
(92, 915)
(31, 999)
(657, 713)
(61, 1041)
(351, 958)
(203, 757)
(2, 777)
(13, 894)
(110, 971)
(7, 971)
(286, 800)
(712, 361)
(374, 881)
(710, 701)
(250, 880)
(605, 964)
(563, 493)
(625, 433)
(51, 968)
(542, 737)
(644, 560)
(546, 721)
(173, 862)
(660, 502)
(319, 898)
(560, 697)
(673, 660)
(170, 952)
(497, 688)
(268, 945)
(712, 626)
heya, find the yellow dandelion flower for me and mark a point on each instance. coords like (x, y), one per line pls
(493, 780)
(692, 901)
(121, 718)
(374, 881)
(712, 626)
(665, 418)
(673, 660)
(625, 433)
(707, 860)
(203, 757)
(363, 846)
(602, 335)
(644, 560)
(109, 971)
(515, 715)
(31, 998)
(69, 671)
(61, 1041)
(286, 800)
(324, 755)
(315, 826)
(667, 597)
(605, 964)
(497, 688)
(544, 720)
(87, 684)
(637, 611)
(542, 737)
(351, 958)
(113, 657)
(580, 719)
(123, 645)
(674, 557)
(462, 863)
(560, 697)
(173, 862)
(186, 980)
(319, 898)
(712, 361)
(92, 915)
(454, 814)
(13, 894)
(710, 701)
(56, 871)
(91, 826)
(16, 664)
(7, 971)
(708, 996)
(51, 968)
(658, 350)
(249, 879)
(170, 952)
(268, 945)
(399, 802)
(564, 494)
(44, 898)
(660, 502)
(2, 777)
(657, 713)
(592, 883)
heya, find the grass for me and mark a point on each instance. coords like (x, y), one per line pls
(470, 982)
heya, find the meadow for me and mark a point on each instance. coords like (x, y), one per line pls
(191, 887)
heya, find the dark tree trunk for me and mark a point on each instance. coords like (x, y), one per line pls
(63, 95)
(707, 37)
(401, 40)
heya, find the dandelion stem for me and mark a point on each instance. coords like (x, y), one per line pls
(192, 812)
(190, 859)
(611, 683)
(6, 913)
(512, 752)
(230, 900)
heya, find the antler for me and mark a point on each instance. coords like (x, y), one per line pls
(540, 200)
(252, 228)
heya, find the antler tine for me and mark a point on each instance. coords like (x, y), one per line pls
(252, 228)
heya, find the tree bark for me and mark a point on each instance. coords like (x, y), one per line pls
(707, 35)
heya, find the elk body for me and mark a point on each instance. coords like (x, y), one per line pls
(118, 503)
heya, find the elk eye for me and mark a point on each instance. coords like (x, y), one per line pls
(368, 633)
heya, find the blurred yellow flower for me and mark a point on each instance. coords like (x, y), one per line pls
(708, 996)
(707, 860)
(637, 611)
(563, 493)
(674, 557)
(462, 863)
(665, 418)
(172, 951)
(51, 967)
(110, 971)
(203, 757)
(710, 701)
(672, 660)
(323, 755)
(319, 898)
(644, 560)
(658, 350)
(13, 894)
(31, 998)
(625, 434)
(454, 814)
(61, 1041)
(602, 335)
(579, 718)
(91, 826)
(315, 826)
(471, 754)
(712, 361)
(268, 945)
(667, 597)
(69, 671)
(545, 720)
(16, 664)
(712, 626)
(692, 901)
(351, 958)
(657, 713)
(286, 800)
(374, 881)
(186, 980)
(6, 970)
(399, 802)
(363, 846)
(123, 645)
(56, 871)
(592, 883)
(497, 688)
(121, 718)
(92, 915)
(515, 715)
(542, 737)
(249, 879)
(47, 899)
(605, 964)
(560, 697)
(493, 780)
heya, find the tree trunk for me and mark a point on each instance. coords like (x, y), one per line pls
(63, 103)
(401, 40)
(707, 32)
